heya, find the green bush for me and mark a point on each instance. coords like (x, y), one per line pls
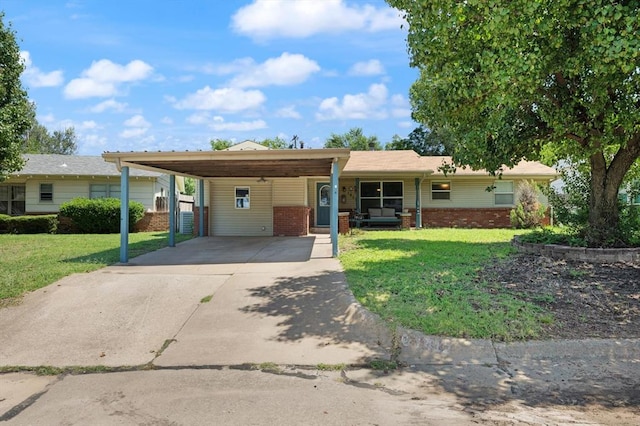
(528, 212)
(43, 224)
(101, 215)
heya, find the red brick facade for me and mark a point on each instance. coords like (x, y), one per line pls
(152, 222)
(343, 223)
(290, 221)
(196, 220)
(466, 218)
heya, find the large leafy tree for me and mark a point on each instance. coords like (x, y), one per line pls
(40, 141)
(16, 113)
(513, 77)
(354, 139)
(220, 144)
(424, 142)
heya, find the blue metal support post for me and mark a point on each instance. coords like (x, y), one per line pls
(418, 205)
(172, 210)
(201, 207)
(124, 214)
(334, 208)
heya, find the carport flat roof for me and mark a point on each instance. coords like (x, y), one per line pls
(250, 164)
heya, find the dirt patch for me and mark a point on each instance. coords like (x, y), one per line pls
(600, 300)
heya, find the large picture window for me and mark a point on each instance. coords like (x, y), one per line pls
(381, 194)
(242, 197)
(104, 190)
(503, 192)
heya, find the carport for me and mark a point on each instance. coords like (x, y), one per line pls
(206, 165)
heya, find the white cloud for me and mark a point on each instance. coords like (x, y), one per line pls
(103, 78)
(134, 132)
(405, 124)
(265, 19)
(47, 118)
(365, 68)
(224, 100)
(199, 118)
(167, 120)
(400, 107)
(137, 121)
(88, 124)
(109, 104)
(288, 112)
(368, 105)
(241, 126)
(233, 67)
(34, 77)
(136, 125)
(286, 70)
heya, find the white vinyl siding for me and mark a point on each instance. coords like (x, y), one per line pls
(226, 220)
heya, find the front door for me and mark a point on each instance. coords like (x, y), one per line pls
(323, 204)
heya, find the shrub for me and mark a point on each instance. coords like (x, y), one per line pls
(43, 224)
(528, 212)
(100, 216)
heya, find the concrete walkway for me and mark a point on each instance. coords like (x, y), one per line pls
(213, 303)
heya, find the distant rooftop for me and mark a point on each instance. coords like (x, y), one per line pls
(74, 165)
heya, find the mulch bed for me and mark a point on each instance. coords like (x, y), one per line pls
(600, 300)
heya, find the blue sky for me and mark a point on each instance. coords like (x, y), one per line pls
(172, 75)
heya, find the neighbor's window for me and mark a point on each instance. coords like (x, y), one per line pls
(46, 192)
(104, 190)
(503, 192)
(242, 197)
(12, 199)
(441, 190)
(381, 194)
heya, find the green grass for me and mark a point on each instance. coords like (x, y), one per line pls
(427, 280)
(30, 262)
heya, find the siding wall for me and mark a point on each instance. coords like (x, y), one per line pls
(289, 192)
(226, 220)
(64, 190)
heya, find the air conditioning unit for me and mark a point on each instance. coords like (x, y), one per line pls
(186, 222)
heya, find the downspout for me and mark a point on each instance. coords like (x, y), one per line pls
(358, 207)
(418, 182)
(124, 214)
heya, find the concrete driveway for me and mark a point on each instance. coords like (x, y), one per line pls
(280, 300)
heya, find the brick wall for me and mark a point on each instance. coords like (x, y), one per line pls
(196, 220)
(152, 222)
(290, 221)
(466, 218)
(343, 223)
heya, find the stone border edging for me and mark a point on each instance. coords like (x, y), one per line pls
(584, 254)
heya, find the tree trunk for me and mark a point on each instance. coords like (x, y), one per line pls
(604, 218)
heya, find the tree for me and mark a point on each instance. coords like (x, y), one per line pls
(274, 143)
(513, 77)
(354, 139)
(424, 142)
(16, 113)
(40, 141)
(189, 186)
(220, 144)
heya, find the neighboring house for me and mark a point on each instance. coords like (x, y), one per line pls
(48, 180)
(250, 191)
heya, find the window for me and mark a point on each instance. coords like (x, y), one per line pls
(104, 190)
(242, 197)
(12, 199)
(46, 192)
(503, 193)
(381, 194)
(441, 190)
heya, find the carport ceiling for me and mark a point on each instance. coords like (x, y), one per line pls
(235, 164)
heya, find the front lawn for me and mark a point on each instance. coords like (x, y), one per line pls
(427, 280)
(30, 262)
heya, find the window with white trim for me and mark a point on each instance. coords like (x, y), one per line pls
(381, 194)
(242, 197)
(104, 190)
(503, 192)
(441, 190)
(12, 199)
(46, 192)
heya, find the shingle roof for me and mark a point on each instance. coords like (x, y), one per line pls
(384, 162)
(523, 168)
(74, 165)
